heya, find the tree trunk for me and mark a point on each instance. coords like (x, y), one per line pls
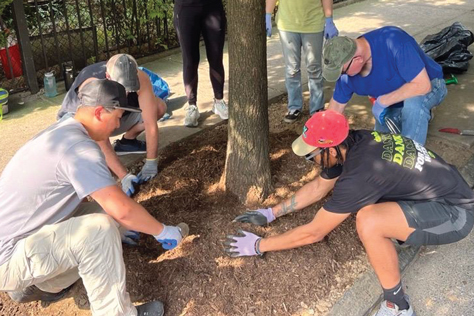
(247, 170)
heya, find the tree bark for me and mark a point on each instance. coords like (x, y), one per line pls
(247, 170)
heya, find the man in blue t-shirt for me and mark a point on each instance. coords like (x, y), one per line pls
(388, 65)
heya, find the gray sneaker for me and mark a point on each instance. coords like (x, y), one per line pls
(192, 116)
(154, 308)
(220, 108)
(389, 309)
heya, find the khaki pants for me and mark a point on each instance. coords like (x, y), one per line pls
(86, 246)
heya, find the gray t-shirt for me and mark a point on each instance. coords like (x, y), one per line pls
(47, 179)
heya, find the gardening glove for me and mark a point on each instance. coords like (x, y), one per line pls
(129, 237)
(379, 110)
(246, 245)
(259, 217)
(330, 29)
(128, 184)
(149, 170)
(268, 24)
(170, 237)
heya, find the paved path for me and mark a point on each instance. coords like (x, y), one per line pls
(440, 280)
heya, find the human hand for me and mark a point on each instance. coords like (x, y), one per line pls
(258, 217)
(128, 184)
(129, 237)
(246, 245)
(268, 24)
(171, 236)
(330, 29)
(149, 170)
(379, 110)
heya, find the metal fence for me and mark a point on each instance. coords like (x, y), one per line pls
(79, 33)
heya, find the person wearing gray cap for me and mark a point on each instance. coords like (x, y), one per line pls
(123, 68)
(49, 236)
(387, 65)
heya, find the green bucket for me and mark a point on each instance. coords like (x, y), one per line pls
(3, 102)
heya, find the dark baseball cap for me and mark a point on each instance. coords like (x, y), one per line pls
(337, 51)
(108, 93)
(123, 68)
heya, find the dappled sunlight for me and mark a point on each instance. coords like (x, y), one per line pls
(279, 154)
(227, 262)
(188, 308)
(179, 252)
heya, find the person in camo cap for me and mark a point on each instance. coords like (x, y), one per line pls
(388, 65)
(123, 68)
(50, 237)
(390, 182)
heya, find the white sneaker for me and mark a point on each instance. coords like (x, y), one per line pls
(390, 309)
(192, 116)
(221, 109)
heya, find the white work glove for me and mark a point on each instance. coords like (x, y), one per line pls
(128, 184)
(170, 237)
(149, 170)
(129, 237)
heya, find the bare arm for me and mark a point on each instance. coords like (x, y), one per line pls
(327, 7)
(153, 108)
(113, 161)
(126, 211)
(322, 224)
(310, 193)
(336, 106)
(420, 85)
(270, 6)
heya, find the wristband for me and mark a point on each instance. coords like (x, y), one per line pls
(257, 247)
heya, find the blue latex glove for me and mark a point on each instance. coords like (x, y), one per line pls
(243, 244)
(130, 237)
(128, 184)
(259, 217)
(268, 24)
(330, 29)
(170, 237)
(379, 110)
(149, 170)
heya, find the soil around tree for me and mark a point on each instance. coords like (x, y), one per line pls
(197, 278)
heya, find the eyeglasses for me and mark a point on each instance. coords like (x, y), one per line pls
(310, 156)
(348, 66)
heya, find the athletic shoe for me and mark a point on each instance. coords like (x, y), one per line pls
(292, 116)
(32, 293)
(221, 109)
(192, 116)
(390, 309)
(154, 308)
(129, 146)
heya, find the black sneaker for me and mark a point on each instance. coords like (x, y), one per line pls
(154, 308)
(32, 293)
(292, 116)
(129, 146)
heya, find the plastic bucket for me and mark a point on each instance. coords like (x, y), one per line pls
(15, 59)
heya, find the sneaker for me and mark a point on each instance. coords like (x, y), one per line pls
(129, 146)
(154, 308)
(292, 116)
(32, 293)
(390, 309)
(192, 116)
(220, 108)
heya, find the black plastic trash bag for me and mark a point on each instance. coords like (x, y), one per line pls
(449, 48)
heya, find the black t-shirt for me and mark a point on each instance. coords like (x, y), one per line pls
(385, 167)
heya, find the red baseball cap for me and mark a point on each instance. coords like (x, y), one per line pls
(324, 129)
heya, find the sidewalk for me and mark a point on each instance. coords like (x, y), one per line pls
(440, 279)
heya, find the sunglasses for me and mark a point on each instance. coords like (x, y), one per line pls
(348, 66)
(310, 156)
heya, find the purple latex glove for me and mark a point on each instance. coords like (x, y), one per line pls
(268, 24)
(259, 217)
(330, 29)
(242, 244)
(379, 110)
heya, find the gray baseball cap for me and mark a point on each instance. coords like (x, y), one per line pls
(337, 51)
(108, 93)
(123, 68)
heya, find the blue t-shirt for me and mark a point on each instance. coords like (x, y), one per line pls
(396, 60)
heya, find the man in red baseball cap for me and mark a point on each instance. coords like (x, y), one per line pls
(390, 181)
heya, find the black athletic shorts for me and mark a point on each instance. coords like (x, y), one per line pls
(436, 223)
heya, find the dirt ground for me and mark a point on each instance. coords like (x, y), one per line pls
(197, 278)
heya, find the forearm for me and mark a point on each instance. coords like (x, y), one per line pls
(408, 90)
(138, 219)
(336, 106)
(151, 136)
(113, 161)
(327, 7)
(270, 6)
(297, 237)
